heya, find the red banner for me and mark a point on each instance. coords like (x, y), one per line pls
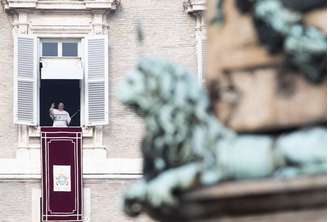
(61, 174)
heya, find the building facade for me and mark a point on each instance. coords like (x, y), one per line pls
(95, 43)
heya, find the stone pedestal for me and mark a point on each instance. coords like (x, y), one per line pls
(268, 200)
(250, 88)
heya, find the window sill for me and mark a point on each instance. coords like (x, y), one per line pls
(60, 57)
(34, 132)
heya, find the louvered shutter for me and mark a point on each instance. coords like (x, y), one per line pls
(96, 80)
(25, 80)
(204, 55)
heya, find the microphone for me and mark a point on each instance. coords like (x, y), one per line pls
(75, 113)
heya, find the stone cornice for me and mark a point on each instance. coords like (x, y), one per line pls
(195, 6)
(61, 4)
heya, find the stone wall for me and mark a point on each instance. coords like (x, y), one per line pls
(15, 201)
(106, 196)
(106, 201)
(170, 33)
(8, 132)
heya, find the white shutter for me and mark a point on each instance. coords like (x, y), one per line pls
(204, 55)
(96, 80)
(25, 80)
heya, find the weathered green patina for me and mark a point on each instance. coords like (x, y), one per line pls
(185, 146)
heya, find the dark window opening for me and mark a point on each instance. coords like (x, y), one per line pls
(66, 91)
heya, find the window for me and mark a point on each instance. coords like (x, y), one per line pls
(60, 75)
(60, 59)
(50, 49)
(60, 48)
(51, 76)
(69, 49)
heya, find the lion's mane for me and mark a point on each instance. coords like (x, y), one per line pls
(179, 127)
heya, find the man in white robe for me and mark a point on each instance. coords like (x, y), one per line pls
(60, 117)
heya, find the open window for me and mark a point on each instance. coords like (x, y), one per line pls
(60, 90)
(73, 71)
(60, 80)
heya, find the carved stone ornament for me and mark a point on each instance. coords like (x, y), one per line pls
(194, 6)
(61, 4)
(65, 18)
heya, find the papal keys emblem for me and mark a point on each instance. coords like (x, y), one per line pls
(61, 180)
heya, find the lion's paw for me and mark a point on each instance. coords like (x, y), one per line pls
(159, 194)
(134, 198)
(137, 191)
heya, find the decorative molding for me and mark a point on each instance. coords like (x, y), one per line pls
(37, 177)
(35, 206)
(35, 132)
(60, 17)
(81, 23)
(86, 204)
(63, 29)
(195, 6)
(201, 45)
(94, 167)
(61, 4)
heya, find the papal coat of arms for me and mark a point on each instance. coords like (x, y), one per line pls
(62, 179)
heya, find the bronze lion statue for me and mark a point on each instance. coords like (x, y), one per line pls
(185, 146)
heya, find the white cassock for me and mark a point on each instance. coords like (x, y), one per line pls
(60, 118)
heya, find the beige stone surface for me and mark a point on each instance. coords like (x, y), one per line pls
(15, 201)
(169, 33)
(106, 201)
(8, 131)
(255, 94)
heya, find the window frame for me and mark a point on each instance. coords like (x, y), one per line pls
(71, 42)
(83, 56)
(60, 42)
(48, 42)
